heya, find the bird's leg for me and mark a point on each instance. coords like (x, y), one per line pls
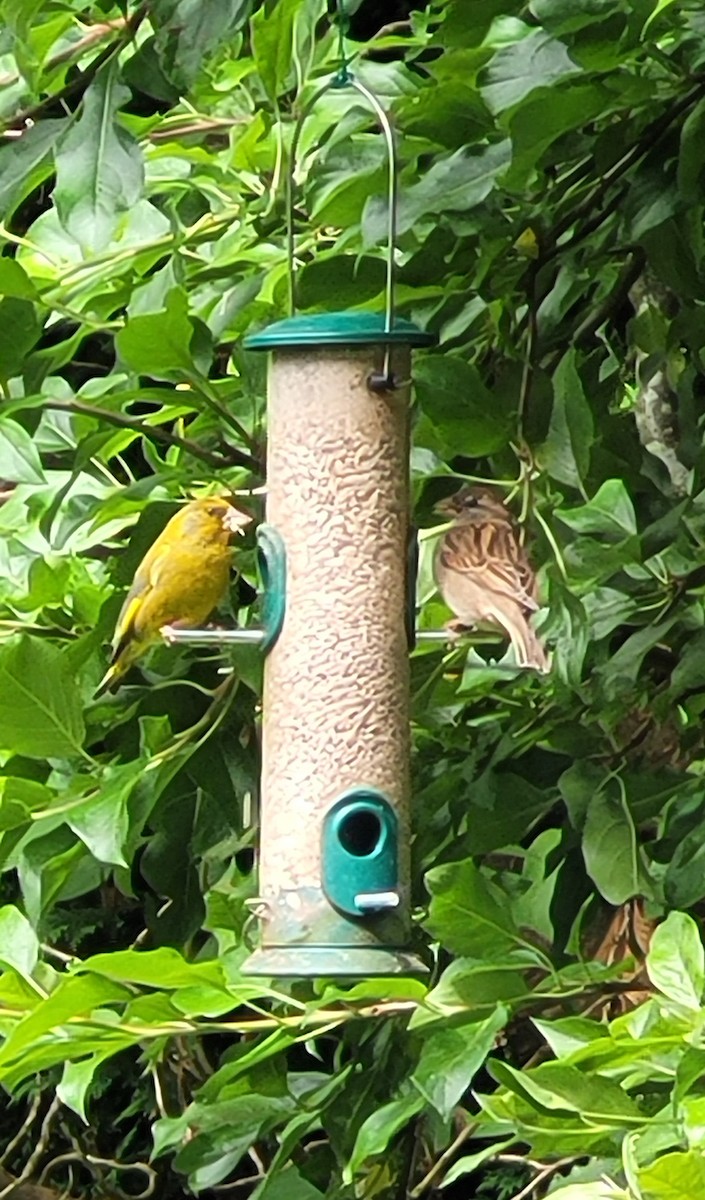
(456, 628)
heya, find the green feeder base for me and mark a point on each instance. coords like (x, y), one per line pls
(357, 962)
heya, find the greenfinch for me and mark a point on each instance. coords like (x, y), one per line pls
(181, 579)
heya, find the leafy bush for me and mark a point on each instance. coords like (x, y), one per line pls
(550, 233)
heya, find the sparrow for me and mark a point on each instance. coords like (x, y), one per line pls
(483, 573)
(181, 579)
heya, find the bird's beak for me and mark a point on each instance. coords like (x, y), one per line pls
(235, 520)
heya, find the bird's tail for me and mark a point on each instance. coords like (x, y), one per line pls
(528, 647)
(109, 681)
(120, 665)
(535, 653)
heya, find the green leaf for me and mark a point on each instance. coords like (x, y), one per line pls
(676, 960)
(188, 30)
(467, 915)
(451, 1057)
(225, 1131)
(690, 160)
(555, 1087)
(566, 16)
(163, 968)
(21, 329)
(470, 1162)
(76, 1079)
(74, 997)
(19, 946)
(613, 857)
(99, 171)
(535, 61)
(659, 7)
(19, 460)
(459, 414)
(454, 184)
(40, 710)
(689, 1073)
(14, 281)
(341, 281)
(289, 1184)
(477, 983)
(538, 123)
(566, 451)
(598, 1189)
(157, 344)
(689, 671)
(676, 1176)
(273, 45)
(609, 512)
(26, 163)
(377, 1131)
(102, 823)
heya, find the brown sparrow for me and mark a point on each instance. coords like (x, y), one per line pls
(483, 573)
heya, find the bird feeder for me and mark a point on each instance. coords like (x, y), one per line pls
(334, 837)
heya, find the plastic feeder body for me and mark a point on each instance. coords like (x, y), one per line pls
(334, 837)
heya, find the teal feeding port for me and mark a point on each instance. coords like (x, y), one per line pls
(359, 854)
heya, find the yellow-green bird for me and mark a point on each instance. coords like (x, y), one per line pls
(181, 579)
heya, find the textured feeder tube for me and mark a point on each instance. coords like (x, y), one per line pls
(336, 685)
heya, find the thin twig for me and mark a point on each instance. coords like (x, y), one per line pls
(42, 1140)
(391, 28)
(209, 394)
(23, 1129)
(527, 375)
(94, 33)
(628, 275)
(238, 1183)
(442, 1162)
(545, 1173)
(143, 1167)
(154, 433)
(54, 953)
(83, 81)
(645, 143)
(205, 125)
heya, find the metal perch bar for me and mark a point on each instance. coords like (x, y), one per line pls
(254, 637)
(210, 637)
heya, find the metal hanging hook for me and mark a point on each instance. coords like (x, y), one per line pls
(384, 380)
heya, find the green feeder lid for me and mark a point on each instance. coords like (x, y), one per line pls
(338, 329)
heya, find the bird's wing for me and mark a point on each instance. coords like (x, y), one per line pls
(490, 550)
(146, 578)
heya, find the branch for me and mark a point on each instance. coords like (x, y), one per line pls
(649, 138)
(527, 375)
(544, 1172)
(78, 86)
(442, 1162)
(205, 125)
(628, 275)
(13, 1187)
(159, 436)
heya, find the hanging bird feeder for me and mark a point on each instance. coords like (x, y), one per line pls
(337, 561)
(334, 838)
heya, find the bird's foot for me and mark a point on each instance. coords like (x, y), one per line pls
(456, 628)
